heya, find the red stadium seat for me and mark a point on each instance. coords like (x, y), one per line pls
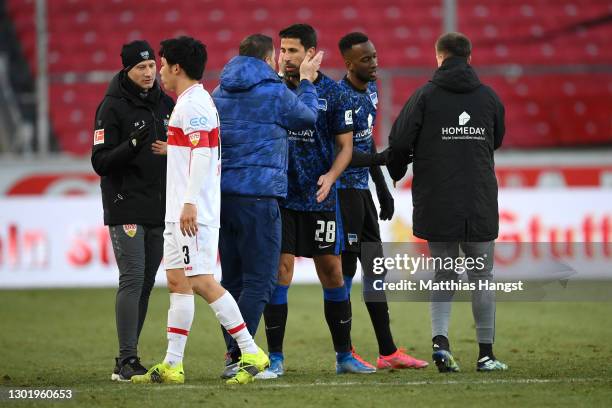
(87, 35)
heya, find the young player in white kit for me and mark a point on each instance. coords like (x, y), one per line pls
(193, 202)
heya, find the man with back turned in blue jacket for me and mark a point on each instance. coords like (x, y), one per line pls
(256, 110)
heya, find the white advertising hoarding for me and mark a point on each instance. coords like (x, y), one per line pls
(61, 242)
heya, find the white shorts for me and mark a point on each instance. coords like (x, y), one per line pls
(197, 255)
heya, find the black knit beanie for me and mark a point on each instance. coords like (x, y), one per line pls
(135, 52)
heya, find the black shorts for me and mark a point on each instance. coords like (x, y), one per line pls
(311, 233)
(359, 218)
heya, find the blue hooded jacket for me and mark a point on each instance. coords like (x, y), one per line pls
(256, 109)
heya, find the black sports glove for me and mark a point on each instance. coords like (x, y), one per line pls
(398, 166)
(381, 158)
(138, 137)
(387, 204)
(360, 159)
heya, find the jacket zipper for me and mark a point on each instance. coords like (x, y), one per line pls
(159, 196)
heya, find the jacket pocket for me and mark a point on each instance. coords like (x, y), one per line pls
(273, 210)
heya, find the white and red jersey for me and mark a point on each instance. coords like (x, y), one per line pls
(194, 125)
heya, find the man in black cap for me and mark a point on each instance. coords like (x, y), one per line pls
(129, 155)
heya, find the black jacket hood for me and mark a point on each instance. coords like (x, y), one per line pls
(456, 75)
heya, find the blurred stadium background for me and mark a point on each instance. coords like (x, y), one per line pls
(549, 60)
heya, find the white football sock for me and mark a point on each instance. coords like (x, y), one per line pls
(227, 312)
(180, 317)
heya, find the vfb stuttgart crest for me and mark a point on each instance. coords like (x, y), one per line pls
(130, 230)
(194, 138)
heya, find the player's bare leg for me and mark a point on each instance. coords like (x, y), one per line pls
(285, 269)
(329, 270)
(207, 287)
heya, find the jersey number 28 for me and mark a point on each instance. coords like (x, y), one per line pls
(325, 230)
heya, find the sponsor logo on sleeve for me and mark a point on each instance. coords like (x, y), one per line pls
(98, 136)
(374, 98)
(130, 230)
(348, 117)
(322, 104)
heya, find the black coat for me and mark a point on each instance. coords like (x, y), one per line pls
(452, 125)
(133, 180)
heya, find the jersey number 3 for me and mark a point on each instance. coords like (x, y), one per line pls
(186, 254)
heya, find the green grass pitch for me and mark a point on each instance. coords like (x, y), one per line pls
(559, 355)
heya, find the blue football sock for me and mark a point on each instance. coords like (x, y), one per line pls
(335, 294)
(280, 295)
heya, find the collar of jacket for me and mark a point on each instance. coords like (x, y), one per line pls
(122, 86)
(453, 62)
(456, 75)
(242, 73)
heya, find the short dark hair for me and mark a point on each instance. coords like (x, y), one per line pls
(347, 42)
(188, 52)
(256, 45)
(303, 32)
(454, 44)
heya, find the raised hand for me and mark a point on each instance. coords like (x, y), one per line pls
(310, 66)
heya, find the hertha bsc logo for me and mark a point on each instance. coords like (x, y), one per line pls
(130, 230)
(194, 138)
(322, 104)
